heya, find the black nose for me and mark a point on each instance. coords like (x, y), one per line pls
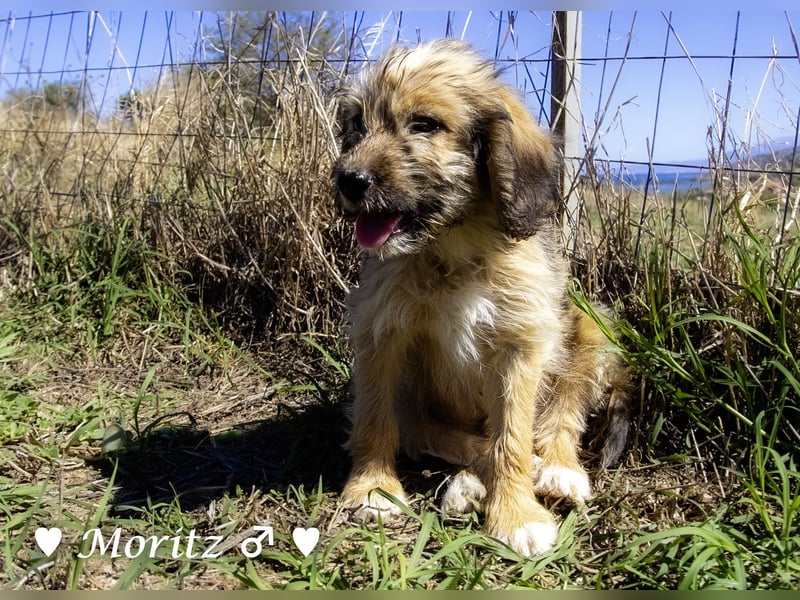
(353, 184)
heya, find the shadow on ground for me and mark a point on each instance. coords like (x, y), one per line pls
(300, 445)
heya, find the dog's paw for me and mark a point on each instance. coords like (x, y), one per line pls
(376, 507)
(561, 482)
(464, 493)
(368, 504)
(532, 537)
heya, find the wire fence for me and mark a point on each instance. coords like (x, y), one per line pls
(99, 63)
(179, 111)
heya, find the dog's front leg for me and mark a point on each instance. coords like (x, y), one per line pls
(374, 439)
(513, 514)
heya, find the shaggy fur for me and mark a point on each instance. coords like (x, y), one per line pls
(466, 345)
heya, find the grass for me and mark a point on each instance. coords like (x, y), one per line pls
(172, 364)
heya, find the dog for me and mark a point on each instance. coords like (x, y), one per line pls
(465, 343)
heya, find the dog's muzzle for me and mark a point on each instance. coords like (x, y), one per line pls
(373, 228)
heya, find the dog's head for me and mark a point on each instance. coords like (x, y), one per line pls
(429, 137)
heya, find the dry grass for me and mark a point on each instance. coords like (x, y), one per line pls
(240, 215)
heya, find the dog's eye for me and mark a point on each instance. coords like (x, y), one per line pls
(424, 124)
(353, 131)
(356, 125)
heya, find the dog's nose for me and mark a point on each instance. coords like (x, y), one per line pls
(353, 184)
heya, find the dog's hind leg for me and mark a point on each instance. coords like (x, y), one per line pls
(464, 494)
(422, 434)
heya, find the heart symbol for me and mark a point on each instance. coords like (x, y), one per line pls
(305, 539)
(48, 539)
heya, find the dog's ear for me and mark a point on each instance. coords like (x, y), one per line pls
(520, 166)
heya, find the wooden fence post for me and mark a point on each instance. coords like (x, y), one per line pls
(565, 112)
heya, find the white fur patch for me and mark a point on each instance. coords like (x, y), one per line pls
(464, 494)
(476, 312)
(377, 507)
(532, 538)
(561, 482)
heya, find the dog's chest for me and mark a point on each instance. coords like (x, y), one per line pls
(458, 323)
(448, 346)
(449, 315)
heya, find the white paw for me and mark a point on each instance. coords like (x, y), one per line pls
(532, 538)
(464, 494)
(377, 507)
(561, 482)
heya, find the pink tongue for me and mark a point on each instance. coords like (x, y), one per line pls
(372, 230)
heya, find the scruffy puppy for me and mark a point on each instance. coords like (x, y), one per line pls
(466, 345)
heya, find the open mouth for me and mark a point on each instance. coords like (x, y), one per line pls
(373, 229)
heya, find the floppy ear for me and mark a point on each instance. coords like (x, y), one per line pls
(521, 167)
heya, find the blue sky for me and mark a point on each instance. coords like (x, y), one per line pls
(764, 93)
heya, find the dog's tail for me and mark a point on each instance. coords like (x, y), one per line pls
(617, 423)
(609, 421)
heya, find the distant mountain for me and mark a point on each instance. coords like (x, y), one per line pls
(778, 160)
(777, 157)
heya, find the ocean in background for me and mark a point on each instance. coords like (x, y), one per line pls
(684, 180)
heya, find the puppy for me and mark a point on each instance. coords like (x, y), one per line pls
(466, 346)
